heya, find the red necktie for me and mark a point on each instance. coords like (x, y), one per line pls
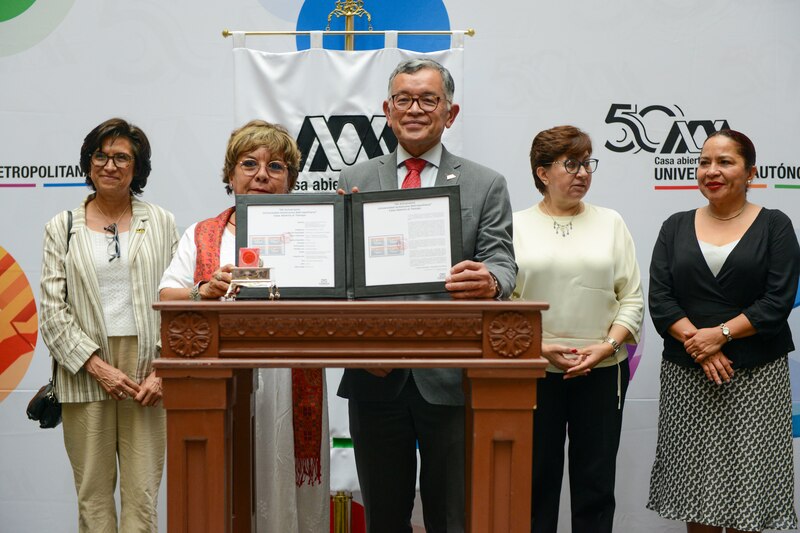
(413, 180)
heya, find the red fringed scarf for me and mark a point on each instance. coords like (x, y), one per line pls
(306, 383)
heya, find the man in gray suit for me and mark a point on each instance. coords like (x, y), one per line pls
(393, 410)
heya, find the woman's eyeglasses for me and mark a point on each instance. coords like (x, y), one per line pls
(275, 169)
(113, 241)
(121, 160)
(572, 165)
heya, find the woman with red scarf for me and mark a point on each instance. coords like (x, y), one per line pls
(262, 158)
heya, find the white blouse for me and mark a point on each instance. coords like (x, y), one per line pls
(180, 273)
(114, 279)
(716, 255)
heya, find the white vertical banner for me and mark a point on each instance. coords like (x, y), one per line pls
(331, 101)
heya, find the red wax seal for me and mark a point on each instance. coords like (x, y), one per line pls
(248, 257)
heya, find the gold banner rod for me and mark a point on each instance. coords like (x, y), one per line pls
(470, 32)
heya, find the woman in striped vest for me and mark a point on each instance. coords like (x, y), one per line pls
(101, 267)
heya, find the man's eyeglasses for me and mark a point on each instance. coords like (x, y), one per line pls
(121, 160)
(113, 241)
(572, 166)
(426, 102)
(275, 169)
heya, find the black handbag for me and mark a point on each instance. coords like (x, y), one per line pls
(44, 407)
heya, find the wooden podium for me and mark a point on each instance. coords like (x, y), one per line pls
(211, 348)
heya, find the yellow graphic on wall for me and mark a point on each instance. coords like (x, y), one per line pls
(18, 324)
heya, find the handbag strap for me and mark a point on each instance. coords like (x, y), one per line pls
(53, 363)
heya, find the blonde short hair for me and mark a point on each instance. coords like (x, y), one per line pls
(257, 134)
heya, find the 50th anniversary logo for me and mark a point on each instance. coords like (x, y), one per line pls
(675, 155)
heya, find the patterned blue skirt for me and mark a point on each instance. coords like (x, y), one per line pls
(724, 455)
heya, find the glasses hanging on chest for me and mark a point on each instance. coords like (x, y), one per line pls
(113, 241)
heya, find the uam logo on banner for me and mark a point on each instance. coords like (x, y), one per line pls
(675, 156)
(330, 144)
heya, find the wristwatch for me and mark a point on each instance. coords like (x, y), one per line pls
(614, 344)
(726, 332)
(498, 292)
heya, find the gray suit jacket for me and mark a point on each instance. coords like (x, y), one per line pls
(486, 237)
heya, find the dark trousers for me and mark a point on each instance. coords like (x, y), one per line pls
(585, 408)
(385, 436)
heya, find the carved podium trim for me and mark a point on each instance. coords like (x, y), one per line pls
(342, 327)
(511, 334)
(189, 334)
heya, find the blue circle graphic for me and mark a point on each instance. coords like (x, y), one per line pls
(410, 15)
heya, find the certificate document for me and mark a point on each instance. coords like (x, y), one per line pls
(370, 244)
(407, 241)
(295, 240)
(301, 237)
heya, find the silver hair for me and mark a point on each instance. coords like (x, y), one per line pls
(413, 65)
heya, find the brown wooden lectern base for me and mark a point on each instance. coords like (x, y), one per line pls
(211, 348)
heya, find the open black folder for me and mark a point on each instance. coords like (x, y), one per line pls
(367, 244)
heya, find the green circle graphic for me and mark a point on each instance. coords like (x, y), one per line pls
(26, 23)
(12, 8)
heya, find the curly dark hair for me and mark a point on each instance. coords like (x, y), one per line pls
(115, 128)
